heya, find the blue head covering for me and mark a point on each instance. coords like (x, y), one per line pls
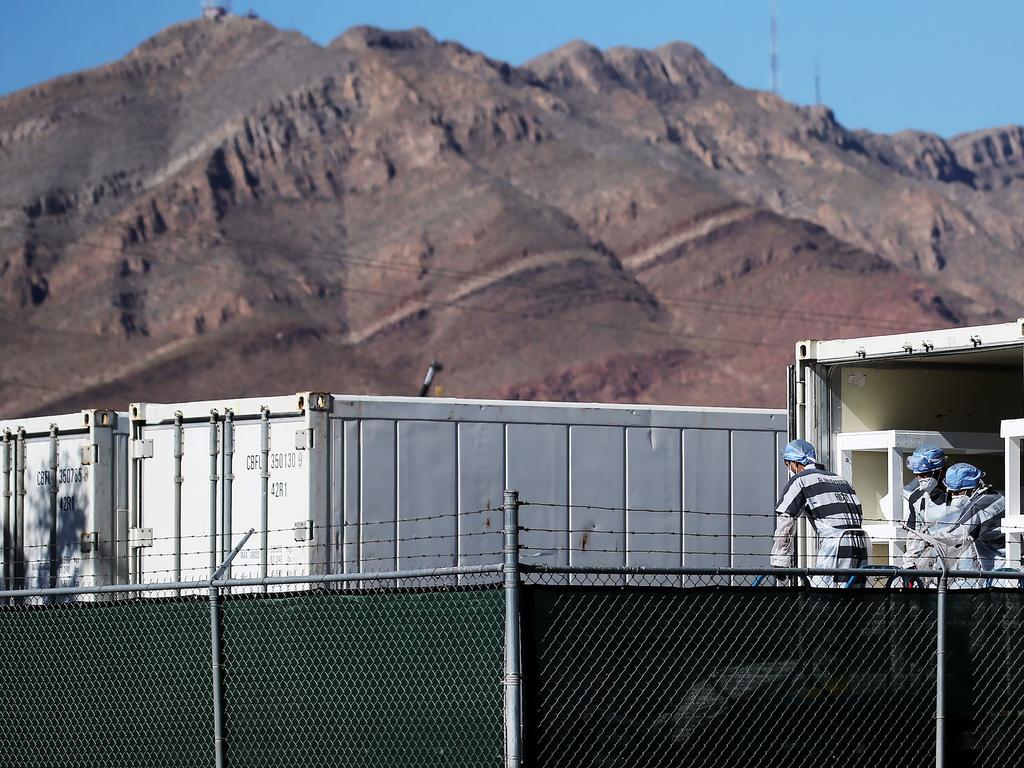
(926, 458)
(962, 477)
(799, 451)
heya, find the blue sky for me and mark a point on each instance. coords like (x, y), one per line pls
(945, 66)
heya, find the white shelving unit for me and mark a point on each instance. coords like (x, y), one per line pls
(896, 445)
(1012, 432)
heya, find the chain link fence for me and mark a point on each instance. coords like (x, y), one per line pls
(118, 683)
(662, 675)
(985, 677)
(383, 670)
(649, 669)
(375, 677)
(546, 666)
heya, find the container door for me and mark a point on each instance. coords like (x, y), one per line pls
(288, 549)
(73, 509)
(157, 484)
(791, 401)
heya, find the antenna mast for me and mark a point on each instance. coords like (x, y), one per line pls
(817, 83)
(774, 48)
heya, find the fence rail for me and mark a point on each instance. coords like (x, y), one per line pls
(512, 663)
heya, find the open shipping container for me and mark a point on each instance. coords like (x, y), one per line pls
(867, 403)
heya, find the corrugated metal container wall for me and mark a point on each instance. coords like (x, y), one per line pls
(603, 484)
(64, 482)
(360, 484)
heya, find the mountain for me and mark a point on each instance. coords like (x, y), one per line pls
(233, 210)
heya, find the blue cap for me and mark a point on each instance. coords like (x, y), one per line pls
(926, 458)
(962, 477)
(799, 451)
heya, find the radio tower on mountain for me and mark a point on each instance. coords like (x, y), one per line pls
(214, 10)
(774, 49)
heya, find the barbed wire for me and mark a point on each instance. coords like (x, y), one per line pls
(656, 510)
(399, 521)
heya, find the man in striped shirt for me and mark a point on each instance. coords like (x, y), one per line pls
(829, 503)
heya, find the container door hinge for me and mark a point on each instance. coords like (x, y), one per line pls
(139, 538)
(304, 530)
(142, 449)
(88, 454)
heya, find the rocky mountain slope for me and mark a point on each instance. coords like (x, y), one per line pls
(234, 210)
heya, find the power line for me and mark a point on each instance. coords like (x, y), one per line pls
(728, 308)
(336, 258)
(447, 304)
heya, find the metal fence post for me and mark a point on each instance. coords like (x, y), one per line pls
(940, 646)
(218, 693)
(940, 673)
(513, 665)
(219, 739)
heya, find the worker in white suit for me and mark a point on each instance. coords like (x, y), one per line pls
(977, 535)
(927, 505)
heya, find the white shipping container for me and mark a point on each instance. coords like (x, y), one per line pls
(199, 484)
(363, 484)
(867, 403)
(64, 481)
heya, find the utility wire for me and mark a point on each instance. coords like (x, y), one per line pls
(457, 303)
(342, 259)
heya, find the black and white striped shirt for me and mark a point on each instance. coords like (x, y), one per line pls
(982, 517)
(832, 506)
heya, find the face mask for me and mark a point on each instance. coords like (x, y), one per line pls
(927, 484)
(959, 502)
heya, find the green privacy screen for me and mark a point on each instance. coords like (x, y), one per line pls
(124, 683)
(719, 676)
(388, 678)
(613, 676)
